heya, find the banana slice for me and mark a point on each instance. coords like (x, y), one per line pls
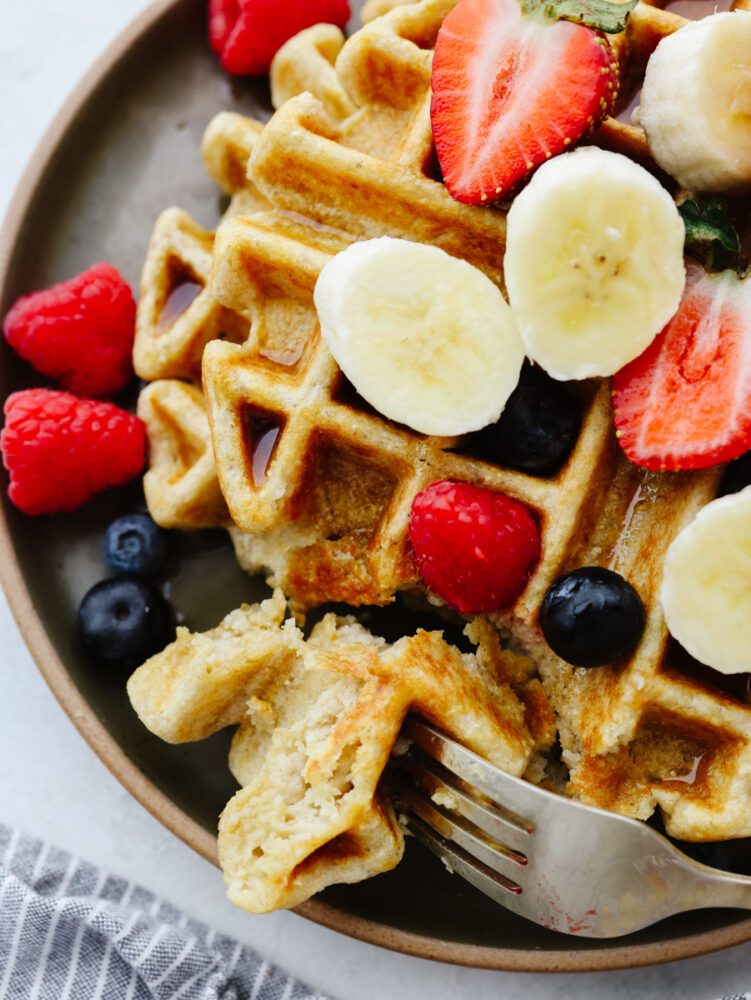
(426, 339)
(706, 587)
(696, 103)
(594, 262)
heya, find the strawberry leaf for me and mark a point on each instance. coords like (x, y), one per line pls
(604, 15)
(711, 236)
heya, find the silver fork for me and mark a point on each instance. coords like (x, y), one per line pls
(564, 865)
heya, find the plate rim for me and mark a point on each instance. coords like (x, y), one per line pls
(113, 756)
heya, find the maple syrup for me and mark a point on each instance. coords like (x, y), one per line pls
(262, 429)
(180, 298)
(286, 358)
(691, 776)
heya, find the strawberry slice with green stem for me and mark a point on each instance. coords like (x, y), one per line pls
(685, 403)
(511, 88)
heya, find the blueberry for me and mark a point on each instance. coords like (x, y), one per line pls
(537, 429)
(134, 545)
(737, 475)
(592, 616)
(124, 622)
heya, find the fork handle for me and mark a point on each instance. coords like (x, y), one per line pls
(706, 888)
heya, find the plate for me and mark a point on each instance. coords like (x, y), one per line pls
(124, 147)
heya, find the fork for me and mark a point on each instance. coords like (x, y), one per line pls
(567, 866)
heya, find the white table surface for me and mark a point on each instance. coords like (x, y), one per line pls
(51, 783)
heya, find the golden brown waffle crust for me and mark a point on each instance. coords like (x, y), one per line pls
(326, 516)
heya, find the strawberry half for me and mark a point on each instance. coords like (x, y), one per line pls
(510, 90)
(685, 403)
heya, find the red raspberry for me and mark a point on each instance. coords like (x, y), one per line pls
(473, 547)
(79, 332)
(247, 34)
(60, 450)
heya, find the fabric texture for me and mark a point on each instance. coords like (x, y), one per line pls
(69, 931)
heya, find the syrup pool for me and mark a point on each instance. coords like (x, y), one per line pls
(262, 430)
(178, 301)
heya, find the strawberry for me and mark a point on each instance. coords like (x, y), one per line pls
(685, 403)
(510, 90)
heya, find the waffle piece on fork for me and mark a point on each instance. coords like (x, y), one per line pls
(317, 721)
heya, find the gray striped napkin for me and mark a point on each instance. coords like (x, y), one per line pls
(69, 931)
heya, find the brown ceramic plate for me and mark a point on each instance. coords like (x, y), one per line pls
(124, 147)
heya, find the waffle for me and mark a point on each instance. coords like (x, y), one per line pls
(317, 721)
(177, 315)
(320, 486)
(180, 486)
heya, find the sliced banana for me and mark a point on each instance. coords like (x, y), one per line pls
(696, 103)
(594, 262)
(706, 587)
(426, 339)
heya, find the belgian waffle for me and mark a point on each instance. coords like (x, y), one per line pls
(320, 486)
(317, 721)
(295, 446)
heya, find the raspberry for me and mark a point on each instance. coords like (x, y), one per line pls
(60, 450)
(247, 34)
(79, 332)
(473, 547)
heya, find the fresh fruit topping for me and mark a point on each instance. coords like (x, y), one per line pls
(696, 103)
(592, 616)
(247, 34)
(737, 475)
(510, 90)
(60, 450)
(426, 339)
(134, 545)
(711, 236)
(537, 430)
(706, 586)
(474, 548)
(79, 332)
(686, 402)
(124, 622)
(594, 262)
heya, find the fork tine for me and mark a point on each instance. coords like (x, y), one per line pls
(497, 886)
(497, 822)
(451, 826)
(509, 794)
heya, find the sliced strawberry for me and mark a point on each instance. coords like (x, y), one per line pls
(685, 403)
(510, 90)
